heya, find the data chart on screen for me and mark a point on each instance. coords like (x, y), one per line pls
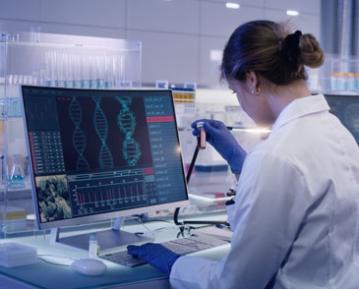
(100, 151)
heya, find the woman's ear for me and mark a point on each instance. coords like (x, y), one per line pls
(252, 81)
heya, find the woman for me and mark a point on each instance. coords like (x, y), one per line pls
(295, 215)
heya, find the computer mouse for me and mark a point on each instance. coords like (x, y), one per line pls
(89, 266)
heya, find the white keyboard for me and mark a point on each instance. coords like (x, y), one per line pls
(181, 246)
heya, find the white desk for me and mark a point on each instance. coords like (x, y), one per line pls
(50, 276)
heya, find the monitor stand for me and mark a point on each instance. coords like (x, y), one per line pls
(107, 240)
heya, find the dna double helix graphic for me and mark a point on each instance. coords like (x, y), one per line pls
(78, 137)
(101, 127)
(126, 121)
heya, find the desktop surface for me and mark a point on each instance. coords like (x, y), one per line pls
(44, 275)
(50, 276)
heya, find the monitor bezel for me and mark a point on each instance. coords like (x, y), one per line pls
(99, 216)
(340, 95)
(346, 95)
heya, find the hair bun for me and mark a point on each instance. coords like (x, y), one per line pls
(311, 53)
(290, 50)
(266, 48)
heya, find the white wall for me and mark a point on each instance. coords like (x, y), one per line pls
(177, 35)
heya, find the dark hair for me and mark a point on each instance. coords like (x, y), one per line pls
(267, 48)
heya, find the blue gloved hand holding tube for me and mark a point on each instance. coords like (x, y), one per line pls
(156, 255)
(223, 141)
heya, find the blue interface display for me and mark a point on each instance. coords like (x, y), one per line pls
(100, 151)
(346, 108)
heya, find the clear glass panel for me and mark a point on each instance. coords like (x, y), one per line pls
(340, 75)
(49, 60)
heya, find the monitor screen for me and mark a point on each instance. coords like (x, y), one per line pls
(346, 108)
(98, 154)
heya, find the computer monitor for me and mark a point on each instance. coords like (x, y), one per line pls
(100, 154)
(346, 108)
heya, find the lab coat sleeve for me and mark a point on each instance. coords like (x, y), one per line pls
(270, 206)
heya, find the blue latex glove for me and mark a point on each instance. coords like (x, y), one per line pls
(155, 254)
(223, 141)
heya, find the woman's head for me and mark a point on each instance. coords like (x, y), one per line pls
(267, 51)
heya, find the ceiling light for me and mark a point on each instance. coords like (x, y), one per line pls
(232, 5)
(292, 13)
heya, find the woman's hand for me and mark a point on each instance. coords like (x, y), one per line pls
(223, 141)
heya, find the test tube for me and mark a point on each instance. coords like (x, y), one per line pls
(100, 62)
(93, 246)
(91, 72)
(107, 72)
(77, 71)
(202, 135)
(85, 83)
(115, 71)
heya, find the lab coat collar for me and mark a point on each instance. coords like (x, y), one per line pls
(301, 107)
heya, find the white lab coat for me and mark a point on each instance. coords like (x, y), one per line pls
(295, 221)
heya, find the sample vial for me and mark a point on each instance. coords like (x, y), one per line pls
(94, 248)
(202, 135)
